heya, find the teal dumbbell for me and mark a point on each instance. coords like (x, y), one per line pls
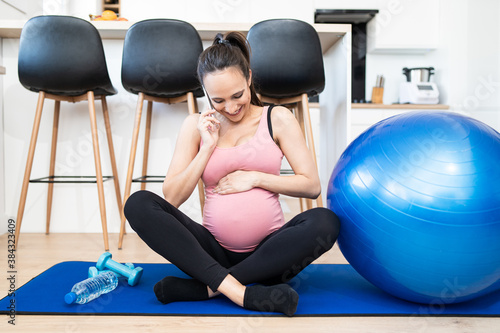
(93, 271)
(133, 275)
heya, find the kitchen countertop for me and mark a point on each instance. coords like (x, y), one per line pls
(329, 34)
(400, 106)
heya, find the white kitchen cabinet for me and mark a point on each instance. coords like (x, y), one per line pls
(404, 27)
(364, 116)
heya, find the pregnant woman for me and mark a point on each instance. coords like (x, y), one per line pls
(236, 148)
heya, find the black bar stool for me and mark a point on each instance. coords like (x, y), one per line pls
(62, 58)
(287, 66)
(160, 57)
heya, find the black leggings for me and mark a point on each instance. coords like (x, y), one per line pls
(193, 249)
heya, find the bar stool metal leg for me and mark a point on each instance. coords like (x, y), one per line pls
(112, 155)
(130, 170)
(98, 169)
(304, 105)
(29, 164)
(299, 115)
(147, 137)
(55, 128)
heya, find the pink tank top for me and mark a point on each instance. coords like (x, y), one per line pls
(240, 221)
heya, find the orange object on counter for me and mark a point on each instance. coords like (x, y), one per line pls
(106, 17)
(109, 15)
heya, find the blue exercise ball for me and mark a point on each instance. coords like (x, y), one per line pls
(418, 197)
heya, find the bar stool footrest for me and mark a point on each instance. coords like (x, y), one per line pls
(149, 179)
(286, 172)
(69, 179)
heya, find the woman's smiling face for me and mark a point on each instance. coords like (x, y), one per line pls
(229, 92)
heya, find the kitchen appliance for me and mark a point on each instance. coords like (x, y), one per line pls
(358, 18)
(418, 89)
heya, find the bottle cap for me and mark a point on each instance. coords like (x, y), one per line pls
(70, 298)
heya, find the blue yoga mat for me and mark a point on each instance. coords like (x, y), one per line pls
(324, 290)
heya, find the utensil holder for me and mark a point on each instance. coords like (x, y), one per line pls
(378, 95)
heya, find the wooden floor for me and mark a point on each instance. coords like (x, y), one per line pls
(38, 252)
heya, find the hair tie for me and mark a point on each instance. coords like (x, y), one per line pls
(224, 41)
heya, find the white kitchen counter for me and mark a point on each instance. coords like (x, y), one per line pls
(329, 34)
(400, 106)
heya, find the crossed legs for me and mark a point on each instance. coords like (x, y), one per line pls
(193, 249)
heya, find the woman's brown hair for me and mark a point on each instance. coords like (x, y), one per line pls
(229, 50)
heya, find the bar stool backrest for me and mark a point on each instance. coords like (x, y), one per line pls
(286, 58)
(62, 55)
(160, 57)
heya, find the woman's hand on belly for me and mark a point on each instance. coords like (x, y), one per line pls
(237, 181)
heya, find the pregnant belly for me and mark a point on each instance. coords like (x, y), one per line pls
(240, 221)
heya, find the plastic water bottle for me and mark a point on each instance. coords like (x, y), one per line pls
(91, 288)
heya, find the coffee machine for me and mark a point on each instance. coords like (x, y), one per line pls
(418, 89)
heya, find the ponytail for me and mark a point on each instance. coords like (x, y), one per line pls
(229, 50)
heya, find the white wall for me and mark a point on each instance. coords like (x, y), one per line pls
(29, 8)
(482, 92)
(218, 10)
(21, 9)
(465, 61)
